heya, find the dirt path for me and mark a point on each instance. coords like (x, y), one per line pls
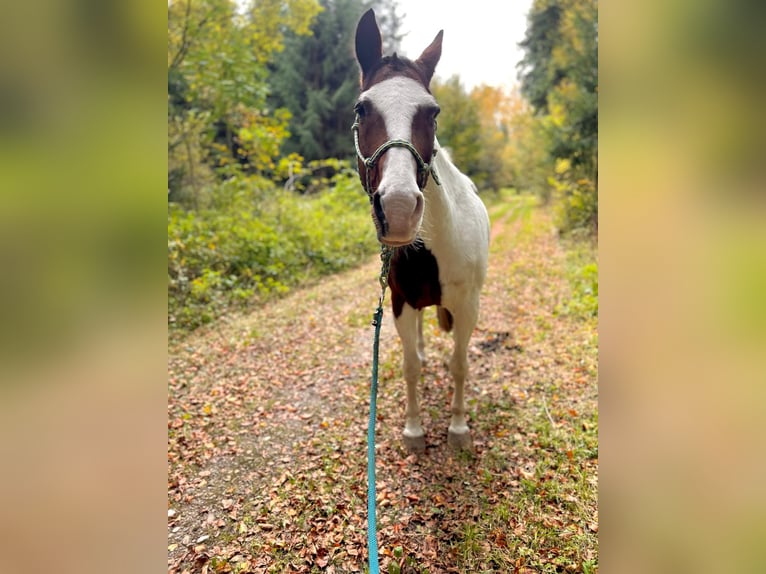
(267, 419)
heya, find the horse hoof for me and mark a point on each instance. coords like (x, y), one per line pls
(415, 443)
(459, 441)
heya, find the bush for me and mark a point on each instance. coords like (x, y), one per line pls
(582, 276)
(255, 241)
(576, 198)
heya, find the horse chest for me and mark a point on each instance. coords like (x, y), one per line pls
(414, 279)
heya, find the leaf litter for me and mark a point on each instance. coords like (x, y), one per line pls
(267, 418)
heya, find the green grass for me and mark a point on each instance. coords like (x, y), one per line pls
(582, 275)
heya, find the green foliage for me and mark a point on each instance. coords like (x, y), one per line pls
(559, 75)
(459, 124)
(538, 71)
(526, 153)
(218, 117)
(316, 77)
(576, 200)
(585, 299)
(254, 241)
(582, 275)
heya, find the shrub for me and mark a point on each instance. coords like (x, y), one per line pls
(576, 198)
(582, 276)
(254, 241)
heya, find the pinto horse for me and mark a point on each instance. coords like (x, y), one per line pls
(423, 206)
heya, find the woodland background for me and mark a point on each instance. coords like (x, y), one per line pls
(262, 186)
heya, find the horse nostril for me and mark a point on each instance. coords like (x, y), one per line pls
(418, 205)
(379, 215)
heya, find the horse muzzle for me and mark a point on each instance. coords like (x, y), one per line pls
(397, 216)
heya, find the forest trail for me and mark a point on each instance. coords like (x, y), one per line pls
(267, 418)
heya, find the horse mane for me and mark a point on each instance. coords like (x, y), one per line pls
(394, 65)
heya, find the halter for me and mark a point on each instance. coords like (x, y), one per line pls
(369, 162)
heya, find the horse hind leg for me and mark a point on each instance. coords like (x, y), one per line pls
(459, 435)
(409, 332)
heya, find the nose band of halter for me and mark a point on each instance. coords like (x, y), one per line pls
(369, 162)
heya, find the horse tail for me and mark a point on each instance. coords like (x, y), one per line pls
(445, 319)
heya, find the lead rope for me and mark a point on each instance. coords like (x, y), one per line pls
(377, 319)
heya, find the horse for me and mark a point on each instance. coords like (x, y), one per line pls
(424, 208)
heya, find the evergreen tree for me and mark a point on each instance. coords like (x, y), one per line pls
(537, 70)
(317, 78)
(390, 23)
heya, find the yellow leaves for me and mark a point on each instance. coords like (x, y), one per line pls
(290, 165)
(557, 115)
(563, 166)
(491, 101)
(301, 14)
(271, 18)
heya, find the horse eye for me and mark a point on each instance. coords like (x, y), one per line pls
(359, 109)
(435, 112)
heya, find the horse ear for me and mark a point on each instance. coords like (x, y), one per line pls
(369, 46)
(430, 57)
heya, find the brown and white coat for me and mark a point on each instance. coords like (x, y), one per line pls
(440, 227)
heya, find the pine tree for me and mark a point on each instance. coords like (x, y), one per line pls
(317, 78)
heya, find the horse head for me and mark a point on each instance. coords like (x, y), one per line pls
(395, 132)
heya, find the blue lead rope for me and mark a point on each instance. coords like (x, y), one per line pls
(372, 539)
(377, 320)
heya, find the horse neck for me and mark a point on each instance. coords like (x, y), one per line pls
(443, 202)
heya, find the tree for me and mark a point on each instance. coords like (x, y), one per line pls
(559, 76)
(526, 154)
(317, 78)
(218, 84)
(537, 71)
(494, 109)
(573, 102)
(390, 23)
(459, 124)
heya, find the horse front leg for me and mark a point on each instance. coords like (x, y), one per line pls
(459, 435)
(421, 340)
(408, 329)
